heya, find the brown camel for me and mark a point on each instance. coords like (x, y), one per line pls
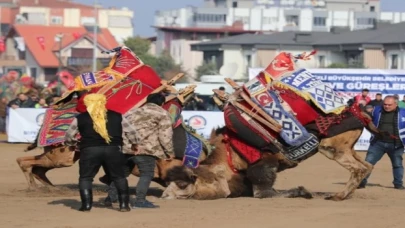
(207, 181)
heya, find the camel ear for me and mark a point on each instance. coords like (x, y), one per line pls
(193, 178)
(212, 133)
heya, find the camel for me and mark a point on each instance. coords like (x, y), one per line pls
(207, 181)
(220, 175)
(60, 156)
(215, 178)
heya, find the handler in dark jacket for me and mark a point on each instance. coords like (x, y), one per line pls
(390, 119)
(100, 144)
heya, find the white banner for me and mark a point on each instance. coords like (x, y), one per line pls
(23, 124)
(203, 122)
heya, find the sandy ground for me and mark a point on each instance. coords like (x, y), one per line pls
(377, 206)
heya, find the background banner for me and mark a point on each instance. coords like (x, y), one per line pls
(23, 124)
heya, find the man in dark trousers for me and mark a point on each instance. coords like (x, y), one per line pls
(154, 134)
(100, 144)
(390, 120)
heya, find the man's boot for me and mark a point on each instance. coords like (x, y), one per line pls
(123, 195)
(86, 196)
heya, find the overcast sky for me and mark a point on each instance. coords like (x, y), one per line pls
(144, 10)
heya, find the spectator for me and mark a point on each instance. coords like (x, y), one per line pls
(362, 99)
(22, 101)
(41, 104)
(369, 109)
(401, 104)
(396, 96)
(377, 101)
(3, 114)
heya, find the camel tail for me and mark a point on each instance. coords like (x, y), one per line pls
(32, 145)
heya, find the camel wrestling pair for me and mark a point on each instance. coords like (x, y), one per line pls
(272, 123)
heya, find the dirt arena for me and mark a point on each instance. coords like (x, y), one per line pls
(377, 206)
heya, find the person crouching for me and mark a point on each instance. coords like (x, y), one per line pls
(100, 144)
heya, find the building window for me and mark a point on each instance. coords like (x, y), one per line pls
(319, 21)
(244, 20)
(292, 20)
(88, 20)
(213, 18)
(234, 4)
(365, 21)
(50, 73)
(321, 61)
(56, 20)
(394, 62)
(248, 61)
(372, 8)
(270, 20)
(33, 73)
(82, 52)
(119, 22)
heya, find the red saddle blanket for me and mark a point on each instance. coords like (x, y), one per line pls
(249, 153)
(56, 122)
(140, 81)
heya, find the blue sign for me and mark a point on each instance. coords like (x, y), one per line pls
(383, 83)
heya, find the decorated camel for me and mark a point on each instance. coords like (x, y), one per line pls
(126, 83)
(273, 122)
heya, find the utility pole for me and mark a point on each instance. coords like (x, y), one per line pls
(59, 39)
(95, 34)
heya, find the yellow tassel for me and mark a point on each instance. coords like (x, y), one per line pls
(96, 107)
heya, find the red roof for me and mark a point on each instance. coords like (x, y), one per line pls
(207, 30)
(46, 57)
(48, 3)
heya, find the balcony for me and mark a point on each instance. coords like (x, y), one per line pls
(74, 61)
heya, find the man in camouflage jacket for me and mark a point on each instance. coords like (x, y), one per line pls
(154, 134)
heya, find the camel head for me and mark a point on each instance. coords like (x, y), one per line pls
(204, 182)
(181, 183)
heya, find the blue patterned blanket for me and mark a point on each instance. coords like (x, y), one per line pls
(194, 147)
(320, 93)
(293, 133)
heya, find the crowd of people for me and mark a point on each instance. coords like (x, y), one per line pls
(24, 100)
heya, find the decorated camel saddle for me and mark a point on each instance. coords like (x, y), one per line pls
(129, 86)
(284, 109)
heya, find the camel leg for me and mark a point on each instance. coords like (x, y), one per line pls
(25, 164)
(341, 149)
(40, 174)
(364, 162)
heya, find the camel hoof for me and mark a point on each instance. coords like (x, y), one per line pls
(304, 193)
(334, 198)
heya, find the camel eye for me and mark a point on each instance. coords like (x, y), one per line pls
(181, 184)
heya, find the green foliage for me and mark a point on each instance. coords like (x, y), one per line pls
(344, 65)
(162, 64)
(207, 68)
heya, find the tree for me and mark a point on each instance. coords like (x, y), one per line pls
(344, 65)
(138, 45)
(207, 68)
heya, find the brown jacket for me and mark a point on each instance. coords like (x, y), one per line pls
(153, 128)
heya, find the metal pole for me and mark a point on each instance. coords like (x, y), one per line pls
(95, 37)
(60, 65)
